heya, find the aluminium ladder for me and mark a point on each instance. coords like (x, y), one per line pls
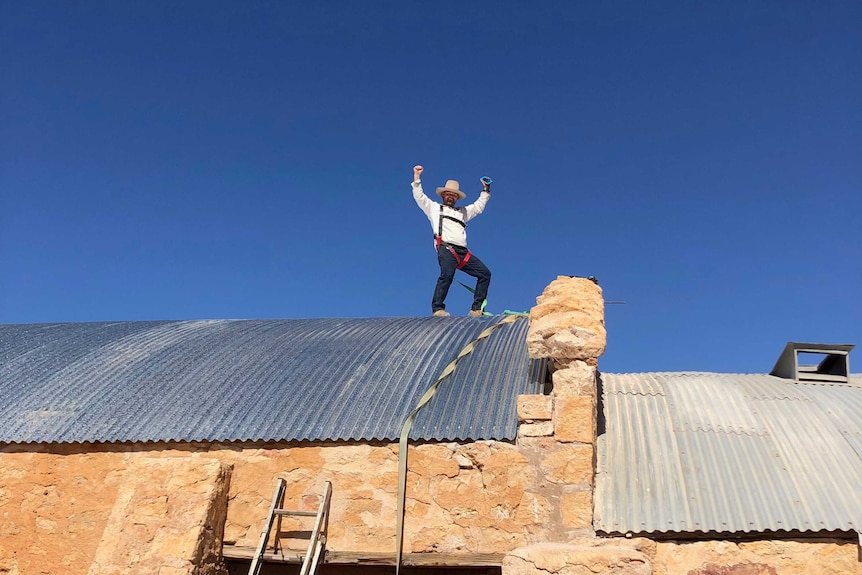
(317, 540)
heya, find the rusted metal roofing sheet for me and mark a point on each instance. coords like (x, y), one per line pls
(708, 452)
(246, 380)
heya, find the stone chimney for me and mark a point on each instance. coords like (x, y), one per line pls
(567, 324)
(567, 327)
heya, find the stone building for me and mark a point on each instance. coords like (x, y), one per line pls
(154, 447)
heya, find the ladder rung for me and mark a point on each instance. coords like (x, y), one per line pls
(297, 513)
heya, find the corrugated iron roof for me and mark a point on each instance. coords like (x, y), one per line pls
(704, 452)
(247, 380)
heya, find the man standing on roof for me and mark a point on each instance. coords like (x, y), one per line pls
(450, 238)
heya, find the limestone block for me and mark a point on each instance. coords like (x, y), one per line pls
(49, 500)
(563, 559)
(575, 419)
(569, 335)
(359, 512)
(540, 429)
(495, 455)
(743, 568)
(8, 563)
(577, 509)
(569, 464)
(438, 458)
(823, 557)
(579, 378)
(302, 458)
(499, 478)
(568, 321)
(534, 509)
(169, 515)
(505, 473)
(39, 497)
(535, 407)
(83, 521)
(483, 506)
(440, 539)
(464, 462)
(536, 445)
(565, 293)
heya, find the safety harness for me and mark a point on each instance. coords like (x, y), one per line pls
(438, 239)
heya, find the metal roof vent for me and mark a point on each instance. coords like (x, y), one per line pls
(832, 363)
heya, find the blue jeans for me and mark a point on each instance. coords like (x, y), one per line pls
(474, 267)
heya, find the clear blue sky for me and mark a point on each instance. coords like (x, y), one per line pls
(185, 160)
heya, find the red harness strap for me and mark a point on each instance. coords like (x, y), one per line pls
(461, 263)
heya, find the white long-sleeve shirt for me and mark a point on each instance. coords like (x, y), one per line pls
(453, 233)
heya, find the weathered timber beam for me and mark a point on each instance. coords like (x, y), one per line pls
(371, 558)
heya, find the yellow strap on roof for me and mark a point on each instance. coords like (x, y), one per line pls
(408, 425)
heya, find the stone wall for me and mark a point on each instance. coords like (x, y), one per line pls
(482, 497)
(54, 509)
(779, 557)
(579, 557)
(479, 497)
(640, 556)
(102, 513)
(120, 505)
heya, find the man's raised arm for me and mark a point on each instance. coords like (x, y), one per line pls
(423, 201)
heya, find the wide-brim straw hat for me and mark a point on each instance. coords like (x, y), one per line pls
(451, 186)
